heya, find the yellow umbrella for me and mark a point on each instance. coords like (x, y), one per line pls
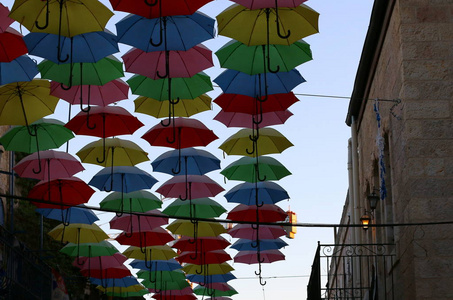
(77, 16)
(208, 269)
(163, 252)
(199, 229)
(78, 233)
(119, 289)
(24, 102)
(183, 108)
(269, 141)
(250, 26)
(118, 152)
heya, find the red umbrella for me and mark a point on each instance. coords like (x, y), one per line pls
(251, 257)
(244, 120)
(247, 231)
(153, 237)
(252, 213)
(187, 132)
(181, 63)
(131, 223)
(203, 258)
(62, 192)
(207, 243)
(158, 8)
(192, 186)
(101, 95)
(246, 104)
(100, 262)
(12, 45)
(54, 165)
(5, 20)
(112, 272)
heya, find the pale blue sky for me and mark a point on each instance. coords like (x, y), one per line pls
(318, 160)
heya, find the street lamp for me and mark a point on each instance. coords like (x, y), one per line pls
(373, 199)
(365, 220)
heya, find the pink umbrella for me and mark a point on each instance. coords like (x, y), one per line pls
(203, 258)
(243, 120)
(258, 4)
(248, 213)
(181, 63)
(5, 20)
(247, 231)
(129, 223)
(220, 286)
(190, 187)
(54, 164)
(251, 257)
(100, 262)
(101, 95)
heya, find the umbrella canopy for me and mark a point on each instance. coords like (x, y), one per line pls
(246, 104)
(247, 231)
(235, 82)
(32, 98)
(101, 95)
(208, 269)
(196, 208)
(187, 133)
(183, 107)
(203, 229)
(177, 294)
(205, 257)
(270, 141)
(207, 243)
(251, 245)
(176, 275)
(166, 285)
(137, 201)
(76, 19)
(160, 8)
(190, 187)
(252, 213)
(180, 32)
(203, 290)
(43, 134)
(23, 68)
(251, 257)
(251, 169)
(12, 45)
(61, 193)
(145, 238)
(180, 63)
(156, 265)
(148, 222)
(212, 278)
(127, 294)
(75, 214)
(122, 179)
(188, 161)
(53, 164)
(259, 59)
(162, 252)
(112, 272)
(115, 282)
(250, 26)
(183, 88)
(235, 119)
(102, 248)
(255, 4)
(82, 48)
(100, 262)
(245, 193)
(5, 20)
(78, 233)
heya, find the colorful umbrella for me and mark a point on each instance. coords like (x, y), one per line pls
(102, 248)
(252, 213)
(248, 231)
(176, 294)
(112, 272)
(265, 256)
(175, 275)
(166, 285)
(196, 208)
(180, 63)
(182, 88)
(203, 229)
(115, 282)
(100, 262)
(208, 269)
(250, 245)
(204, 291)
(157, 265)
(145, 238)
(5, 20)
(137, 201)
(23, 68)
(242, 120)
(246, 104)
(211, 278)
(191, 186)
(253, 169)
(122, 179)
(158, 8)
(205, 257)
(12, 45)
(163, 252)
(254, 4)
(75, 214)
(208, 243)
(48, 165)
(180, 33)
(182, 107)
(78, 233)
(245, 193)
(251, 27)
(127, 294)
(129, 223)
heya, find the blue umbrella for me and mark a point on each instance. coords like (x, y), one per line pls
(156, 265)
(87, 47)
(188, 161)
(210, 278)
(252, 245)
(70, 215)
(115, 282)
(124, 179)
(235, 82)
(181, 34)
(245, 193)
(22, 68)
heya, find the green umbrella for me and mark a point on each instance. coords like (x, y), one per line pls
(197, 208)
(204, 291)
(183, 88)
(138, 201)
(41, 135)
(98, 73)
(245, 169)
(255, 59)
(166, 285)
(103, 248)
(176, 275)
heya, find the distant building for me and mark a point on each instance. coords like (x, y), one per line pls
(401, 148)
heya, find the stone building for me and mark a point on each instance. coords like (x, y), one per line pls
(401, 148)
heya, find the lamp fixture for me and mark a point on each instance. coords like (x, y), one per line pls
(373, 199)
(365, 220)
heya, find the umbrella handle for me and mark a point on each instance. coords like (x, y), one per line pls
(177, 171)
(103, 150)
(163, 26)
(46, 24)
(85, 110)
(149, 3)
(62, 60)
(278, 24)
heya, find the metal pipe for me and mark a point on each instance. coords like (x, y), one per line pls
(355, 181)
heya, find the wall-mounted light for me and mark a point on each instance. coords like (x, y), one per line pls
(373, 200)
(365, 220)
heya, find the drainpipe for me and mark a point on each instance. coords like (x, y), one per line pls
(350, 191)
(355, 181)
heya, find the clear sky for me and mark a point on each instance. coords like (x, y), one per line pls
(318, 161)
